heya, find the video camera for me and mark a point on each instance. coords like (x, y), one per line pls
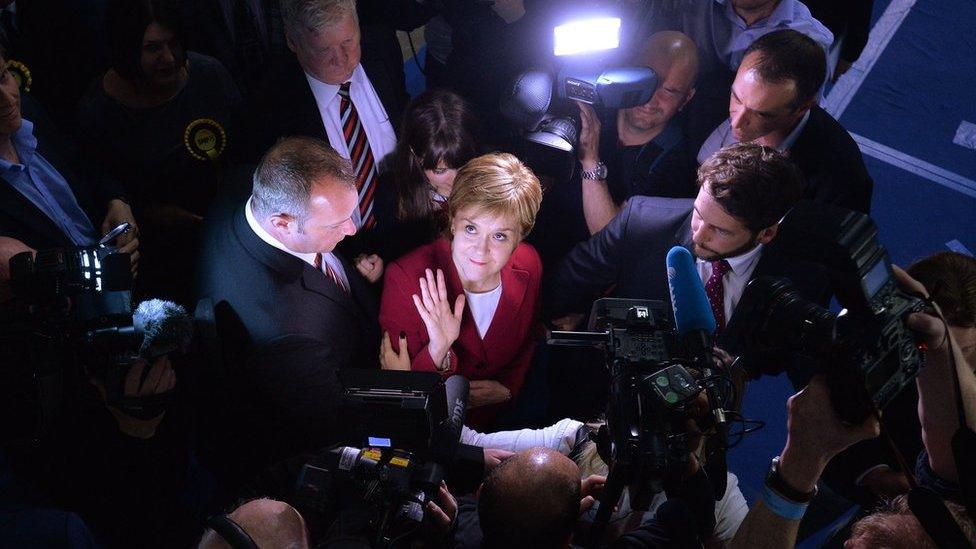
(867, 352)
(406, 428)
(539, 103)
(74, 305)
(652, 391)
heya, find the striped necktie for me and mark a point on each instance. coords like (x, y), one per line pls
(360, 155)
(330, 272)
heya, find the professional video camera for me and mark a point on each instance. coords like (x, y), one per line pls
(74, 305)
(867, 351)
(406, 427)
(538, 103)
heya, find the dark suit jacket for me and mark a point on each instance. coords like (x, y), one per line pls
(506, 351)
(21, 219)
(286, 106)
(629, 256)
(832, 164)
(285, 330)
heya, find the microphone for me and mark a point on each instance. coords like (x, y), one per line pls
(447, 435)
(165, 326)
(695, 324)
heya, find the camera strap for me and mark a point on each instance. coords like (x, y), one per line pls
(936, 519)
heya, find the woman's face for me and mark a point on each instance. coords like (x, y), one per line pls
(441, 178)
(162, 56)
(482, 245)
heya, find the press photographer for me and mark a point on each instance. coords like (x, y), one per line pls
(87, 388)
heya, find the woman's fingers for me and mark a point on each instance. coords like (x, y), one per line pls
(424, 315)
(403, 346)
(425, 295)
(441, 286)
(459, 307)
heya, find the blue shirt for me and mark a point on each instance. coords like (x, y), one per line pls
(39, 182)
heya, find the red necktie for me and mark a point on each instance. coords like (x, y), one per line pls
(360, 155)
(329, 272)
(716, 292)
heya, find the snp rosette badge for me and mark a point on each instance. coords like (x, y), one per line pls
(21, 74)
(205, 139)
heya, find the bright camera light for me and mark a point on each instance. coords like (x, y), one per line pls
(587, 35)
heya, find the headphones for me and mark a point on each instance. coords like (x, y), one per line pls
(231, 532)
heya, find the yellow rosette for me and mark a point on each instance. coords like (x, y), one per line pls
(21, 74)
(205, 139)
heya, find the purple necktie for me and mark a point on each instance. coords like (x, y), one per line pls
(716, 292)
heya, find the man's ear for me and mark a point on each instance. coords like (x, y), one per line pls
(281, 223)
(767, 235)
(290, 39)
(691, 93)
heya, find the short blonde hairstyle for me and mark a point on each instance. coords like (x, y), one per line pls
(499, 184)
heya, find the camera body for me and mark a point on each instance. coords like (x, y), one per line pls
(652, 392)
(406, 428)
(868, 352)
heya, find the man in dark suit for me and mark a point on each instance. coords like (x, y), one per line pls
(289, 312)
(773, 102)
(745, 190)
(49, 198)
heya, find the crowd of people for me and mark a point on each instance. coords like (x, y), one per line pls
(276, 178)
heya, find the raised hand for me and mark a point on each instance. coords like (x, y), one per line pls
(443, 324)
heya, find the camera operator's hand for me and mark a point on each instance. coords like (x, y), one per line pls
(119, 212)
(370, 266)
(590, 489)
(443, 324)
(816, 434)
(588, 150)
(483, 392)
(161, 378)
(929, 328)
(393, 360)
(494, 456)
(441, 512)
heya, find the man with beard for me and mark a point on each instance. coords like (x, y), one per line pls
(744, 191)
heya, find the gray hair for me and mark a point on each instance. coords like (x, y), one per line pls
(284, 178)
(313, 15)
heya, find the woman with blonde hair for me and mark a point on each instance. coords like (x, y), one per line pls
(467, 302)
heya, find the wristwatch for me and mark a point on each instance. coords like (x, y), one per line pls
(598, 173)
(780, 486)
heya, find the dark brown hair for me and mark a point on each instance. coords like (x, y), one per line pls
(790, 55)
(126, 22)
(950, 279)
(753, 183)
(438, 125)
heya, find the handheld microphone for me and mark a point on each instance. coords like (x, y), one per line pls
(447, 435)
(165, 326)
(695, 324)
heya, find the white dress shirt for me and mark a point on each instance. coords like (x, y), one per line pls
(379, 130)
(328, 258)
(734, 282)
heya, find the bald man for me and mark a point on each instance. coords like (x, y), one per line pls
(641, 150)
(270, 523)
(533, 499)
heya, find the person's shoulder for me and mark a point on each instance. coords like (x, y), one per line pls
(526, 257)
(801, 20)
(423, 257)
(823, 132)
(668, 207)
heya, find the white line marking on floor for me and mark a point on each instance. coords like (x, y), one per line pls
(848, 84)
(957, 246)
(966, 135)
(916, 166)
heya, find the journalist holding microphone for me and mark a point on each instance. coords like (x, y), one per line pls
(467, 302)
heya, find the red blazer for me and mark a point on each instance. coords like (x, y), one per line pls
(506, 351)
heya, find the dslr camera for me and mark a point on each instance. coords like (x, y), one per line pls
(867, 352)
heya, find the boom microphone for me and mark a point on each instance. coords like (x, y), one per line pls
(165, 326)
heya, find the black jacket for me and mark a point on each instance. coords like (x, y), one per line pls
(832, 163)
(284, 331)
